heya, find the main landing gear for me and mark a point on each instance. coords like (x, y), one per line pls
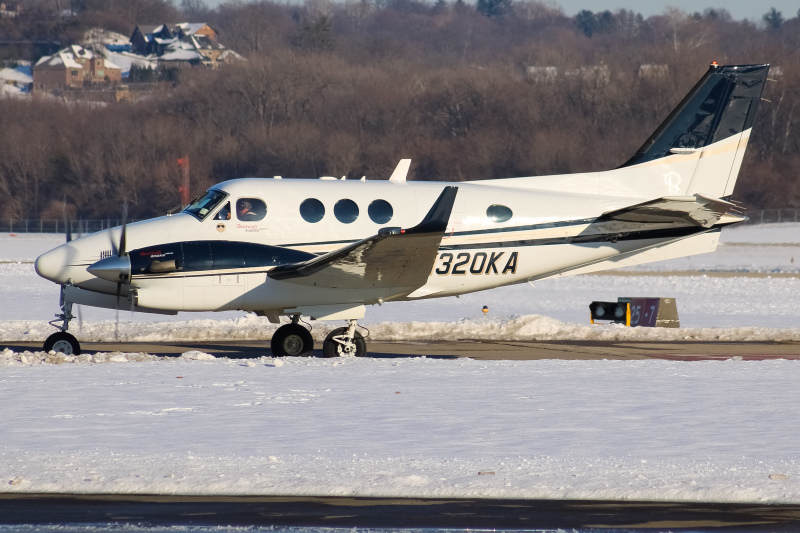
(292, 339)
(62, 341)
(295, 340)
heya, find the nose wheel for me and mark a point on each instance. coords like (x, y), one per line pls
(62, 341)
(345, 342)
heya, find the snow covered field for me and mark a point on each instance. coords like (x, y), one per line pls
(657, 430)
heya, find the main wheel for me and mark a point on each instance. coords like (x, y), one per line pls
(332, 348)
(62, 342)
(293, 340)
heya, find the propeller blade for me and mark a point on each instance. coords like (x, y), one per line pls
(122, 237)
(67, 221)
(114, 249)
(116, 312)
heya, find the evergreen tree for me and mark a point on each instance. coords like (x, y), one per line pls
(773, 19)
(493, 8)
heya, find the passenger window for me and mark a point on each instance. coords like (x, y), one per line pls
(345, 211)
(250, 209)
(380, 211)
(224, 213)
(498, 213)
(312, 210)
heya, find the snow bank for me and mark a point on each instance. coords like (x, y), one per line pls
(514, 328)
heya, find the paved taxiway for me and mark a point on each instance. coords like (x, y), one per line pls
(477, 349)
(468, 513)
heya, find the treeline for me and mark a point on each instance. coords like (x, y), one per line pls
(349, 89)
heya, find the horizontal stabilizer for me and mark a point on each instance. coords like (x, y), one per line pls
(393, 258)
(698, 210)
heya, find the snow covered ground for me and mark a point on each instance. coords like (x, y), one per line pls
(656, 430)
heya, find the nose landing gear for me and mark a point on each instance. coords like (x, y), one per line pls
(345, 341)
(62, 341)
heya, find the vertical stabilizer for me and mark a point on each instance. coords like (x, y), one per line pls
(708, 130)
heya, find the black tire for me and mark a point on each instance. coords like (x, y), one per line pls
(293, 340)
(62, 342)
(331, 348)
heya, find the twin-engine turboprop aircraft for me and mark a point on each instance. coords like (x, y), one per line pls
(327, 249)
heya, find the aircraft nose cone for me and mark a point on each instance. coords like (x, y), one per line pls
(54, 265)
(115, 269)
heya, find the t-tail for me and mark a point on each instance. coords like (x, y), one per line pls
(699, 148)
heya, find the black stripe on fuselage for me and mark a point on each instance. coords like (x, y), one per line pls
(201, 256)
(663, 233)
(531, 227)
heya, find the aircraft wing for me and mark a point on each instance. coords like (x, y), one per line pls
(698, 210)
(394, 257)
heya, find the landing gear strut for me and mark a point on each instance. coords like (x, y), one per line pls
(292, 339)
(345, 341)
(62, 341)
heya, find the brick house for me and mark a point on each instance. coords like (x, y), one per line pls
(74, 67)
(196, 29)
(7, 11)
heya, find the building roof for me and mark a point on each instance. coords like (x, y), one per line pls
(21, 74)
(66, 57)
(59, 58)
(190, 28)
(182, 55)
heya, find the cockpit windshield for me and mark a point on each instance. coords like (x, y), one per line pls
(206, 203)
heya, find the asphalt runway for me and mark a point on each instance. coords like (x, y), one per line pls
(344, 512)
(476, 349)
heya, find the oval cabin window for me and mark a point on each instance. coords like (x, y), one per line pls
(312, 210)
(345, 211)
(250, 209)
(380, 211)
(498, 213)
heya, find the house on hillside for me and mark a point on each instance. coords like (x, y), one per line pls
(152, 40)
(182, 44)
(196, 29)
(155, 39)
(16, 80)
(74, 67)
(8, 11)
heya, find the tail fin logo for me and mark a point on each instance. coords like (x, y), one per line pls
(673, 182)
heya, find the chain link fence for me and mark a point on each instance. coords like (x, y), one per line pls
(77, 227)
(82, 227)
(773, 216)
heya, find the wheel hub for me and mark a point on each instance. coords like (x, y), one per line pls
(293, 345)
(64, 347)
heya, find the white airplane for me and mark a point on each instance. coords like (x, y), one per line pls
(328, 248)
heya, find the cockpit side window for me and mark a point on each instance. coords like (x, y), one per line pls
(250, 209)
(224, 213)
(206, 203)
